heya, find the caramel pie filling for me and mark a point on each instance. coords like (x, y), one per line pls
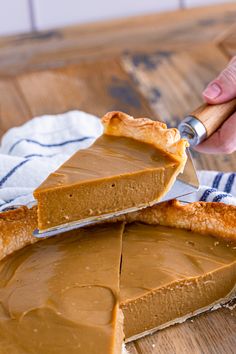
(114, 174)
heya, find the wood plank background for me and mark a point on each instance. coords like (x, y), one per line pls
(155, 66)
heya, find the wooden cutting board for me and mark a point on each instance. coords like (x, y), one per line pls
(155, 66)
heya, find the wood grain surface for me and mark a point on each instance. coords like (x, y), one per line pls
(155, 66)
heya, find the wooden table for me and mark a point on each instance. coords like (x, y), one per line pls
(155, 66)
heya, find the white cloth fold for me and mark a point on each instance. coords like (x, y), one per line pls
(30, 152)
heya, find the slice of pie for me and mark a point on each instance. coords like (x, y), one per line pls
(177, 261)
(61, 295)
(132, 165)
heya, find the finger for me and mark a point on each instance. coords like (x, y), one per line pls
(223, 88)
(223, 141)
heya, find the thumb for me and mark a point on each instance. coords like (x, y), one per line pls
(223, 88)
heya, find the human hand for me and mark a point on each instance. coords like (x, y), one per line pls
(220, 90)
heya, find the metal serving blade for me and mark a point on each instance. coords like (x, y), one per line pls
(186, 183)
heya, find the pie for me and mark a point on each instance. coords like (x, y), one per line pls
(177, 261)
(132, 165)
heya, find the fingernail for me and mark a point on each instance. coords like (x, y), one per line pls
(212, 91)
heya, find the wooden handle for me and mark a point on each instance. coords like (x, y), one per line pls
(212, 116)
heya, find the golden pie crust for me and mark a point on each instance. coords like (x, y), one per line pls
(147, 131)
(216, 219)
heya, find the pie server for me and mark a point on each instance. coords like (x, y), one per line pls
(196, 127)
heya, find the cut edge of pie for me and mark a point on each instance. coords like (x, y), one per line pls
(147, 131)
(214, 306)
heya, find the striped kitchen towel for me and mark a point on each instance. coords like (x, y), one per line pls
(30, 152)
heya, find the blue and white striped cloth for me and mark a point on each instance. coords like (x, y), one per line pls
(30, 152)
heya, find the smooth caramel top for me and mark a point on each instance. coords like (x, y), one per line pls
(156, 256)
(60, 295)
(109, 156)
